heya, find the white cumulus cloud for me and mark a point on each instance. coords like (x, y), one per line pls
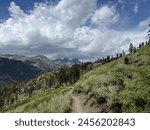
(105, 15)
(62, 31)
(144, 24)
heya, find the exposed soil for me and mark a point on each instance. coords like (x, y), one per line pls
(85, 103)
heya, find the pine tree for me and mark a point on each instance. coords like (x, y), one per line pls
(142, 44)
(131, 48)
(75, 72)
(62, 76)
(108, 58)
(148, 33)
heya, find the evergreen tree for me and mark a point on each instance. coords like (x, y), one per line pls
(76, 72)
(62, 76)
(108, 58)
(148, 33)
(131, 48)
(140, 46)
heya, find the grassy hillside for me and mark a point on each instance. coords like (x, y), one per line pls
(56, 100)
(123, 88)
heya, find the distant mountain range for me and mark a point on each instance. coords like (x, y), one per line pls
(11, 70)
(68, 61)
(40, 62)
(18, 67)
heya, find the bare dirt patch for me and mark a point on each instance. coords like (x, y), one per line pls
(85, 103)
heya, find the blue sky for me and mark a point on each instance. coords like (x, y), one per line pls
(24, 4)
(72, 28)
(128, 18)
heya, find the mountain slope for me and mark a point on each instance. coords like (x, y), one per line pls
(40, 62)
(17, 67)
(49, 101)
(115, 86)
(122, 88)
(16, 70)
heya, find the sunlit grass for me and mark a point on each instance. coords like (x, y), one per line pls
(116, 82)
(56, 100)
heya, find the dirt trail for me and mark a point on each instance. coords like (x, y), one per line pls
(76, 103)
(85, 103)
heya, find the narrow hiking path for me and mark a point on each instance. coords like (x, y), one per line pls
(84, 103)
(76, 103)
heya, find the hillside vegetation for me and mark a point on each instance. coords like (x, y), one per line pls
(123, 88)
(115, 85)
(56, 100)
